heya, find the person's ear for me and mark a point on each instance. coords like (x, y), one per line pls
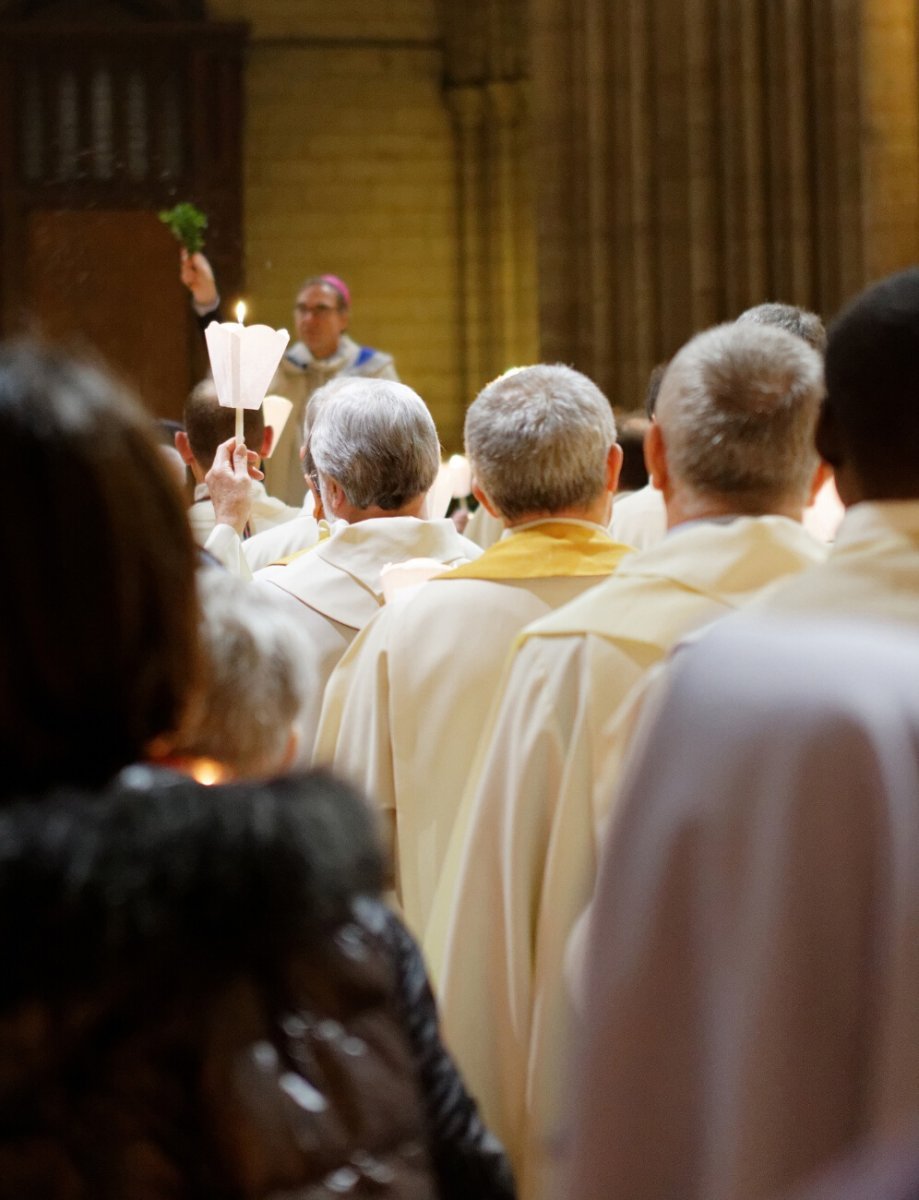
(183, 445)
(318, 512)
(484, 501)
(613, 466)
(335, 494)
(656, 456)
(267, 441)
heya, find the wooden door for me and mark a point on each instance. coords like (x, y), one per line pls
(105, 282)
(103, 122)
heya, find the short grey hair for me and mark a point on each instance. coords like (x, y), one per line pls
(799, 321)
(738, 409)
(538, 439)
(316, 401)
(255, 681)
(377, 440)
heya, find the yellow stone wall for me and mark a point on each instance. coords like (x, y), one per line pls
(350, 167)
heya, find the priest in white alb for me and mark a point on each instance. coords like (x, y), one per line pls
(407, 704)
(375, 451)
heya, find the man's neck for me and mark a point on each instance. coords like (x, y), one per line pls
(354, 515)
(682, 508)
(326, 358)
(853, 490)
(597, 513)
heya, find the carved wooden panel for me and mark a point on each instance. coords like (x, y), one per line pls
(104, 282)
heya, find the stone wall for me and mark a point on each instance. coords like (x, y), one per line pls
(350, 167)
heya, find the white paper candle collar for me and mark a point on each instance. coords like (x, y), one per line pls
(243, 361)
(276, 409)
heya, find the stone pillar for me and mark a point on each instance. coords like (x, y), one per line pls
(890, 135)
(486, 95)
(512, 324)
(467, 108)
(696, 157)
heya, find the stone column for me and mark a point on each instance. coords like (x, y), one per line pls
(505, 216)
(467, 108)
(486, 68)
(696, 157)
(890, 136)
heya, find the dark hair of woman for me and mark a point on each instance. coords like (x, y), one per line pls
(98, 608)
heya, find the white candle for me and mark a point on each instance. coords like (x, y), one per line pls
(241, 320)
(235, 387)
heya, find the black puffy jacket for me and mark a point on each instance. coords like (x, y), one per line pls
(468, 1160)
(202, 1000)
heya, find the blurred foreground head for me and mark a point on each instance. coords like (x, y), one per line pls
(869, 428)
(224, 1018)
(98, 615)
(254, 682)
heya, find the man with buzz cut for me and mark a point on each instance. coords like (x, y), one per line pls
(731, 451)
(407, 704)
(207, 425)
(641, 520)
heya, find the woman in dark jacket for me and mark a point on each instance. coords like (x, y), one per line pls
(202, 995)
(201, 999)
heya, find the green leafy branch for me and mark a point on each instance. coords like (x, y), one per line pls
(187, 224)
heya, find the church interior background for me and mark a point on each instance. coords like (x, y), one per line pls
(499, 181)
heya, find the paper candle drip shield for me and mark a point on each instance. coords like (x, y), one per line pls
(276, 409)
(244, 359)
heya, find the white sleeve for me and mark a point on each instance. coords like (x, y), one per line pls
(225, 544)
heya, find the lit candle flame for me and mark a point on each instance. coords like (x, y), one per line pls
(207, 771)
(241, 312)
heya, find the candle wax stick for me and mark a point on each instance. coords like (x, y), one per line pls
(235, 385)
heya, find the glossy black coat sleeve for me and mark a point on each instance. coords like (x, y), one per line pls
(468, 1160)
